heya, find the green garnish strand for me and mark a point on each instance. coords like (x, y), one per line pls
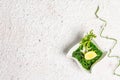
(106, 37)
(86, 41)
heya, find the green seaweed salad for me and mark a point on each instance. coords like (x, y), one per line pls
(88, 52)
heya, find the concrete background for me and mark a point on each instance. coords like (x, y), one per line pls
(35, 36)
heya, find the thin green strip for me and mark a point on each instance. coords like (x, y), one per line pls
(106, 37)
(115, 70)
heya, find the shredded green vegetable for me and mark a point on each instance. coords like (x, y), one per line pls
(106, 37)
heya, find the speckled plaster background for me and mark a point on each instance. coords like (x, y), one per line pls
(35, 36)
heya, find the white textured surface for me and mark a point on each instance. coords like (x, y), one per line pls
(35, 36)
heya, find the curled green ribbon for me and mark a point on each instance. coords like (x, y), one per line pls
(106, 37)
